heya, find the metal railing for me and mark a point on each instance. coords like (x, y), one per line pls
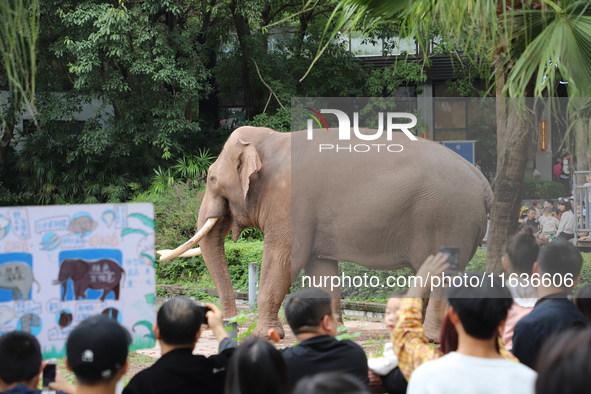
(582, 205)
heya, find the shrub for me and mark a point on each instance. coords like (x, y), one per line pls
(536, 189)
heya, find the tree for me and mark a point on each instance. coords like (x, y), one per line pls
(523, 40)
(19, 30)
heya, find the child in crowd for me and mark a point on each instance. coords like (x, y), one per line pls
(520, 254)
(536, 206)
(383, 365)
(566, 226)
(384, 370)
(548, 225)
(531, 221)
(408, 338)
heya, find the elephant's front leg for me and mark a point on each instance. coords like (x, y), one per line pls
(274, 284)
(324, 274)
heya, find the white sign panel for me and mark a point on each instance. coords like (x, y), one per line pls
(62, 264)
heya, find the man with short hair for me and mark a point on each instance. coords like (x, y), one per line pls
(97, 354)
(178, 328)
(558, 266)
(476, 366)
(21, 365)
(310, 316)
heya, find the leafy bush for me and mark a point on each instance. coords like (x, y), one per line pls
(541, 190)
(175, 218)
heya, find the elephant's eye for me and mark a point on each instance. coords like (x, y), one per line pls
(213, 180)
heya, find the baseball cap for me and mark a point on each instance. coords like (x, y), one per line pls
(97, 348)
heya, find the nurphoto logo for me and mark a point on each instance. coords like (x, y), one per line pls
(344, 133)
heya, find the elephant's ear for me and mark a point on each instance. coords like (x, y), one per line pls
(248, 163)
(80, 270)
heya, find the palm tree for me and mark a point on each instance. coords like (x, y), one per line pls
(520, 38)
(19, 29)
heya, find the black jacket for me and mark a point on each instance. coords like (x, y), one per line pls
(325, 354)
(179, 371)
(550, 315)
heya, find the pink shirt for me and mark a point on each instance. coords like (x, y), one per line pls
(515, 314)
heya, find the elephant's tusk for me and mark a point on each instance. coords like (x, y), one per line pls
(188, 253)
(192, 242)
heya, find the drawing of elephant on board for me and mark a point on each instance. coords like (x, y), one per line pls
(104, 274)
(18, 278)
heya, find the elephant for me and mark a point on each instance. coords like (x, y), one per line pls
(104, 274)
(317, 208)
(18, 278)
(30, 321)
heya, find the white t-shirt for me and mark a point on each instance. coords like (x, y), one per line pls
(567, 223)
(549, 224)
(384, 365)
(456, 373)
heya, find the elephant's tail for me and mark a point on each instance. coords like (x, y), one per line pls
(488, 193)
(488, 196)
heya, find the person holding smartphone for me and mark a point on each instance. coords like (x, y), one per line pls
(21, 367)
(178, 328)
(410, 344)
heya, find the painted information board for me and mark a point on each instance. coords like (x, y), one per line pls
(63, 263)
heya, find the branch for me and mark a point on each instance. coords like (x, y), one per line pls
(277, 11)
(265, 83)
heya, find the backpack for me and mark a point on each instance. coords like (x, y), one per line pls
(557, 170)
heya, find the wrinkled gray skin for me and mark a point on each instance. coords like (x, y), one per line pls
(383, 211)
(18, 278)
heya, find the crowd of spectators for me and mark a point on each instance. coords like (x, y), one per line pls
(515, 337)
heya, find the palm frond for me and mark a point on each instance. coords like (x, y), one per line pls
(557, 47)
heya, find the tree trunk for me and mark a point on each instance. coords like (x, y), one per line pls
(582, 148)
(501, 111)
(508, 188)
(243, 32)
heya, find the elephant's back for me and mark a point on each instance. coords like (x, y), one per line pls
(392, 207)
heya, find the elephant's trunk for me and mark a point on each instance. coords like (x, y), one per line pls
(204, 229)
(212, 248)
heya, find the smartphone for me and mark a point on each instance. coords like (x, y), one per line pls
(204, 309)
(454, 259)
(49, 373)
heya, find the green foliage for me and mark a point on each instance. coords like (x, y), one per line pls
(344, 334)
(540, 190)
(241, 319)
(200, 295)
(190, 169)
(478, 262)
(585, 271)
(383, 82)
(279, 121)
